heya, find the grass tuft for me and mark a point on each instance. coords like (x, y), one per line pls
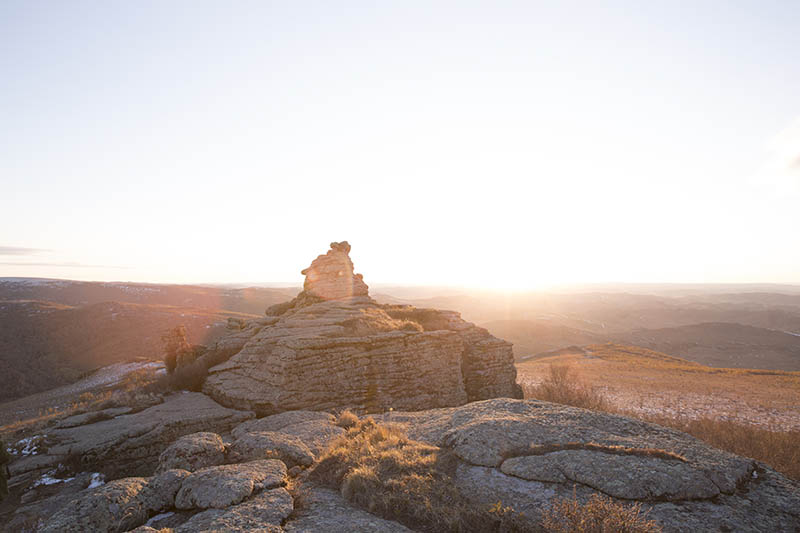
(377, 467)
(598, 515)
(347, 419)
(562, 386)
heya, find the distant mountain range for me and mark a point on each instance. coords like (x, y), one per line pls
(53, 331)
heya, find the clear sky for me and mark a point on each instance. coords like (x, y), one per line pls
(496, 144)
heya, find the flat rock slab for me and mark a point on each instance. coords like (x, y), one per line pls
(192, 452)
(222, 486)
(326, 510)
(92, 416)
(141, 437)
(486, 433)
(622, 476)
(281, 421)
(265, 511)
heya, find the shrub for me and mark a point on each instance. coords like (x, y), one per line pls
(598, 515)
(175, 341)
(347, 419)
(564, 387)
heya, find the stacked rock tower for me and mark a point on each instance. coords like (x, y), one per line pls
(335, 347)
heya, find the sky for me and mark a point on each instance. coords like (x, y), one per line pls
(484, 144)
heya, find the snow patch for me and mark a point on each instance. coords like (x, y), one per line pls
(96, 480)
(29, 445)
(48, 479)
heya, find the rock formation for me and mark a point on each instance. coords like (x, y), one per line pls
(523, 453)
(331, 276)
(334, 347)
(527, 453)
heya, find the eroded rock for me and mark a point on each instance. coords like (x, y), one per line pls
(222, 486)
(192, 452)
(132, 443)
(334, 347)
(529, 453)
(284, 446)
(263, 512)
(326, 510)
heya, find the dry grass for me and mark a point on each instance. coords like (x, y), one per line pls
(347, 419)
(543, 449)
(377, 467)
(562, 386)
(778, 449)
(598, 515)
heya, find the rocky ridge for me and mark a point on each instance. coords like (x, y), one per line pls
(334, 347)
(524, 453)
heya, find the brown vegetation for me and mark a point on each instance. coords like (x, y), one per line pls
(543, 449)
(598, 515)
(377, 467)
(347, 419)
(564, 387)
(779, 449)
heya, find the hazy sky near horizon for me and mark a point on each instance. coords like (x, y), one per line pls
(494, 144)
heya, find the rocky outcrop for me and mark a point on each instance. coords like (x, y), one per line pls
(331, 277)
(130, 443)
(334, 347)
(222, 486)
(192, 452)
(525, 454)
(119, 505)
(528, 453)
(264, 513)
(294, 437)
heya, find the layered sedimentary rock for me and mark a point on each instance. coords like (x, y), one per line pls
(334, 347)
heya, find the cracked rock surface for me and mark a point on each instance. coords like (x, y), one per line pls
(523, 453)
(526, 453)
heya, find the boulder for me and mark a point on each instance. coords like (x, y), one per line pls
(119, 505)
(263, 512)
(295, 437)
(222, 486)
(326, 510)
(334, 347)
(192, 452)
(277, 445)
